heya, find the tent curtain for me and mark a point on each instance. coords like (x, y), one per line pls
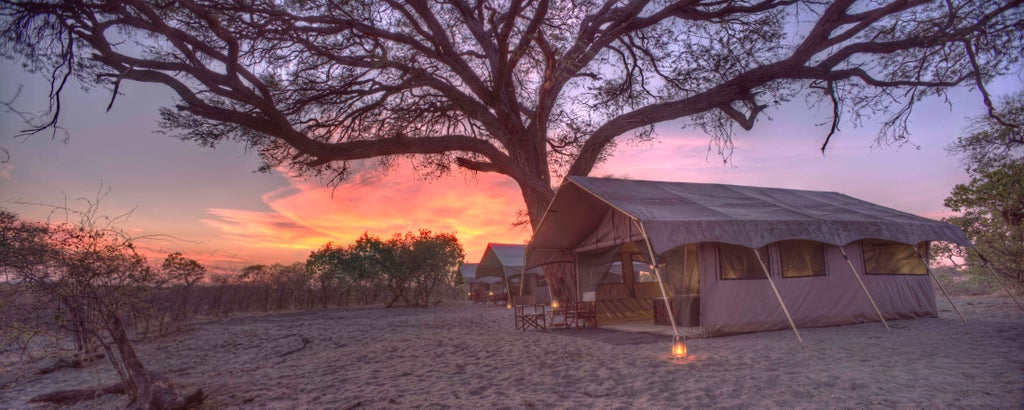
(883, 257)
(593, 267)
(801, 258)
(681, 272)
(740, 262)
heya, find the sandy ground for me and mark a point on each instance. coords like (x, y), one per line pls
(469, 356)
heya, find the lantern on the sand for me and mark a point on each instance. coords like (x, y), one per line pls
(679, 349)
(554, 304)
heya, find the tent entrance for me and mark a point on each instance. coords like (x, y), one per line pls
(682, 284)
(622, 280)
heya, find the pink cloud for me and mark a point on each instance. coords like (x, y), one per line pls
(478, 209)
(5, 171)
(305, 215)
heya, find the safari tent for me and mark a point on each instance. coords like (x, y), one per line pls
(505, 262)
(475, 290)
(738, 259)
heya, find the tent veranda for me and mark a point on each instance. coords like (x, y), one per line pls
(830, 258)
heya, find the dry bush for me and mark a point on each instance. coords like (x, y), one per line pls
(85, 275)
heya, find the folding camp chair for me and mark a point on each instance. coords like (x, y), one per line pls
(528, 314)
(583, 314)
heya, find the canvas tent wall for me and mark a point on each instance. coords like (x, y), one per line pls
(505, 262)
(703, 237)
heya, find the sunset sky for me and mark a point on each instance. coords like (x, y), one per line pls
(212, 206)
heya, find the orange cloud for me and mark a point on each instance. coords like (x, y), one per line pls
(306, 215)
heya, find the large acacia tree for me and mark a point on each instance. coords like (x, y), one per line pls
(532, 89)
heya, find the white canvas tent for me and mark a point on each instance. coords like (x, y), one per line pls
(505, 262)
(738, 259)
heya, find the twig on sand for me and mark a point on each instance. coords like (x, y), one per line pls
(354, 405)
(75, 362)
(305, 342)
(77, 395)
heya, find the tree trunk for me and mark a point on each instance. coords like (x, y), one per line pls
(145, 390)
(561, 277)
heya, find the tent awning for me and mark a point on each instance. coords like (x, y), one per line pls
(593, 213)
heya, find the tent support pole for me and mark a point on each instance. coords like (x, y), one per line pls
(992, 268)
(937, 282)
(778, 296)
(508, 289)
(551, 292)
(522, 274)
(576, 275)
(862, 286)
(661, 284)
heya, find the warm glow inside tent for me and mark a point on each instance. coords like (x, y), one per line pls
(505, 263)
(475, 290)
(830, 259)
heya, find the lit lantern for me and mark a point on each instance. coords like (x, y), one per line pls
(490, 293)
(679, 349)
(508, 306)
(554, 304)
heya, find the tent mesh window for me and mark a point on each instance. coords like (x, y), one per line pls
(802, 258)
(642, 270)
(681, 270)
(691, 274)
(882, 257)
(740, 262)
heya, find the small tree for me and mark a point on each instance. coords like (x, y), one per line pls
(380, 260)
(22, 246)
(991, 205)
(90, 270)
(257, 277)
(336, 272)
(433, 260)
(184, 273)
(410, 266)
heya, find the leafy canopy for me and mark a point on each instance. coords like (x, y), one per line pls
(991, 205)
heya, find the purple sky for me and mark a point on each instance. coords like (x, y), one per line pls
(221, 212)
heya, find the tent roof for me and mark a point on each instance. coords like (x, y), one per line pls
(468, 271)
(501, 259)
(595, 213)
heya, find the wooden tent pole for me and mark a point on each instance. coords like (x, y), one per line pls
(778, 296)
(862, 286)
(661, 284)
(936, 279)
(992, 268)
(508, 288)
(576, 273)
(522, 275)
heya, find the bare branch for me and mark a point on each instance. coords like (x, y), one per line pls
(533, 89)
